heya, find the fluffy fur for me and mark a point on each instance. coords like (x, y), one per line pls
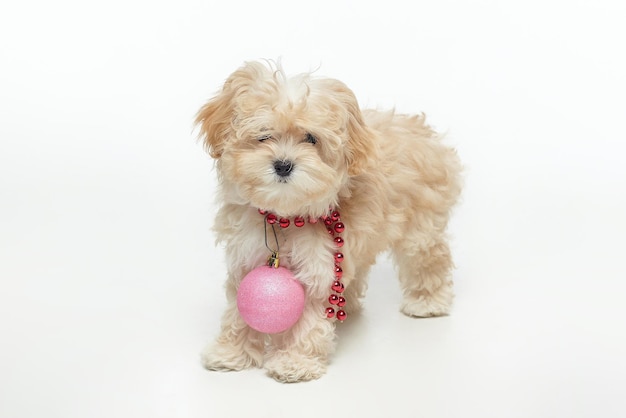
(389, 175)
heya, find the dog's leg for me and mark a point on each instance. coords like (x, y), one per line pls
(238, 346)
(425, 275)
(301, 353)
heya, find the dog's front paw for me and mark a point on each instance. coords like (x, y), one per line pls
(292, 367)
(224, 357)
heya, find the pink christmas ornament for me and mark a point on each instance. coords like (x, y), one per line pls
(270, 300)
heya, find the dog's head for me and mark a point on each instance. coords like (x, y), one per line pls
(288, 145)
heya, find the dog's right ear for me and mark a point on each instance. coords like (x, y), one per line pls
(217, 116)
(215, 119)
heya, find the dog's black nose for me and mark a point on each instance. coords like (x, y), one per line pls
(283, 168)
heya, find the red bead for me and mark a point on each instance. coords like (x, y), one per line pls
(299, 221)
(334, 216)
(330, 231)
(333, 299)
(341, 315)
(336, 286)
(262, 212)
(341, 301)
(328, 221)
(338, 257)
(312, 220)
(338, 272)
(341, 289)
(330, 312)
(339, 242)
(271, 218)
(284, 222)
(339, 227)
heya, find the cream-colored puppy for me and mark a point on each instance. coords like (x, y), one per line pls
(295, 147)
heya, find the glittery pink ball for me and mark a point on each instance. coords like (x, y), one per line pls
(270, 300)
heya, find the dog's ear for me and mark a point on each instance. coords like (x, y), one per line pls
(214, 119)
(361, 146)
(217, 116)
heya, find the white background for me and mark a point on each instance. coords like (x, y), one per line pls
(110, 284)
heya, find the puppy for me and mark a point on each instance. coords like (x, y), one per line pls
(300, 151)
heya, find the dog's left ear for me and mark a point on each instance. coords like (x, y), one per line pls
(361, 146)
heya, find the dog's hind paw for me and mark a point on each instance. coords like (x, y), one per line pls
(425, 307)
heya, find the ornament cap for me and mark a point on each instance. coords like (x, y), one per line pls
(273, 260)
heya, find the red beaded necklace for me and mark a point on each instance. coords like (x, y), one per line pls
(334, 227)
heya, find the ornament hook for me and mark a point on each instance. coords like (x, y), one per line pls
(272, 260)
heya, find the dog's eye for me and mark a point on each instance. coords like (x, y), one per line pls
(310, 139)
(264, 137)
